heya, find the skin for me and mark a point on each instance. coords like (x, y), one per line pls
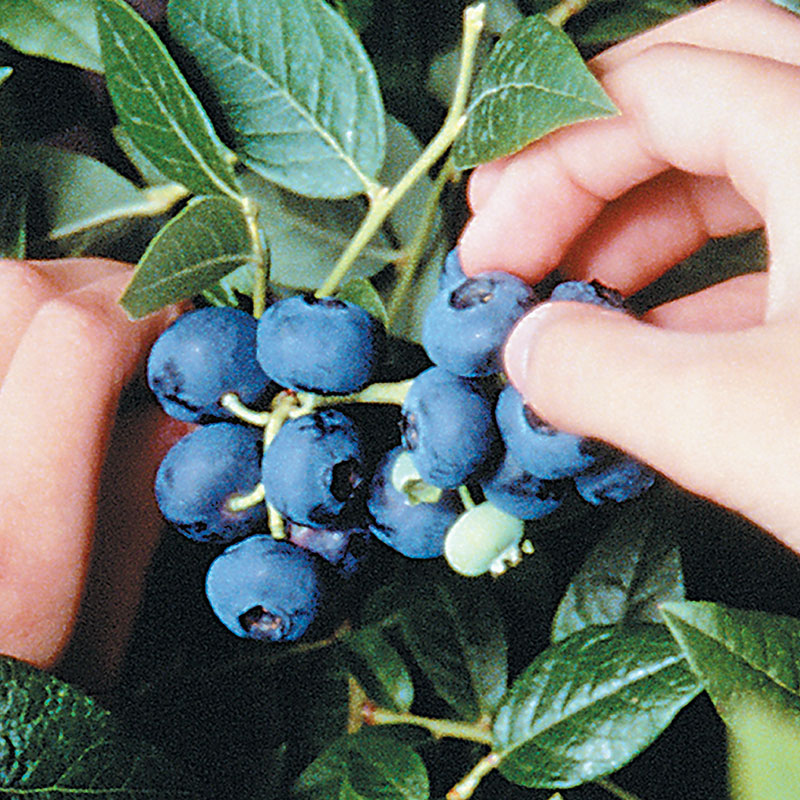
(81, 440)
(707, 388)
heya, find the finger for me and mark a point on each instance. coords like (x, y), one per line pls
(57, 404)
(654, 226)
(756, 27)
(127, 532)
(732, 305)
(26, 285)
(700, 111)
(709, 411)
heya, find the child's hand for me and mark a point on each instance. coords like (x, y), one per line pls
(708, 144)
(75, 476)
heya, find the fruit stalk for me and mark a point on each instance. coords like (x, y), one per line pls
(438, 728)
(382, 202)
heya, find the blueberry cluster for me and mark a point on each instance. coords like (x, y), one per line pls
(283, 472)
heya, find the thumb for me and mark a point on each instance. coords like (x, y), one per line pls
(712, 411)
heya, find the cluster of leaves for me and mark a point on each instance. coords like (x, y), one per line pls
(251, 141)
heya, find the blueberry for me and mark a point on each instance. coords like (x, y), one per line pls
(265, 589)
(202, 355)
(516, 491)
(448, 428)
(592, 292)
(540, 448)
(617, 480)
(466, 325)
(314, 467)
(347, 550)
(415, 529)
(327, 345)
(201, 472)
(452, 272)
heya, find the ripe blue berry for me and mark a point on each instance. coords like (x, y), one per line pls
(448, 428)
(540, 448)
(592, 292)
(516, 491)
(415, 529)
(345, 549)
(466, 325)
(322, 345)
(202, 355)
(452, 272)
(314, 467)
(617, 480)
(199, 475)
(265, 589)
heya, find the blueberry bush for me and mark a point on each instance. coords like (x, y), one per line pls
(382, 575)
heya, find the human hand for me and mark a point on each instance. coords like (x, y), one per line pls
(76, 472)
(707, 388)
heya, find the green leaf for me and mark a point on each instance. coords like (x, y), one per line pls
(61, 30)
(379, 669)
(15, 193)
(76, 200)
(202, 244)
(362, 293)
(57, 742)
(534, 82)
(617, 21)
(373, 764)
(590, 703)
(295, 87)
(5, 74)
(740, 654)
(156, 106)
(791, 5)
(763, 754)
(633, 568)
(307, 236)
(455, 632)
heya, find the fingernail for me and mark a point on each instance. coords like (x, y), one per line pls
(519, 348)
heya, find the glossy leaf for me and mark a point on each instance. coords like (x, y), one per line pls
(379, 669)
(633, 568)
(203, 243)
(157, 108)
(57, 742)
(621, 20)
(295, 87)
(14, 201)
(740, 654)
(61, 30)
(455, 632)
(5, 74)
(363, 293)
(307, 236)
(590, 703)
(368, 765)
(534, 82)
(77, 201)
(763, 753)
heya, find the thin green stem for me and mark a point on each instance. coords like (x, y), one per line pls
(438, 728)
(241, 502)
(231, 402)
(465, 788)
(384, 200)
(559, 14)
(259, 254)
(408, 263)
(614, 789)
(390, 393)
(466, 498)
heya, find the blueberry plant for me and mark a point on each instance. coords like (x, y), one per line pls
(385, 576)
